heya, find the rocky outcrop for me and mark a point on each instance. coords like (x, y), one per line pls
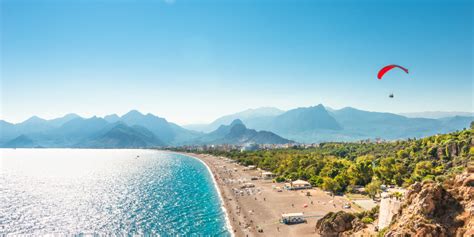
(462, 189)
(433, 209)
(338, 224)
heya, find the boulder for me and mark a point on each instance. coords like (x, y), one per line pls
(338, 224)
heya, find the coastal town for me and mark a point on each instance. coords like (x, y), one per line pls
(255, 146)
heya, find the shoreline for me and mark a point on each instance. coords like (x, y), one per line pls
(229, 226)
(256, 211)
(253, 205)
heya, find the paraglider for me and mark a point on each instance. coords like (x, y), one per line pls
(388, 68)
(385, 70)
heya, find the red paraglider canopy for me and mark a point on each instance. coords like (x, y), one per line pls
(388, 68)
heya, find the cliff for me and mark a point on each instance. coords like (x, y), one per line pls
(433, 209)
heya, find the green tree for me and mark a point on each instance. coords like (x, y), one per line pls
(390, 170)
(373, 188)
(330, 185)
(361, 172)
(422, 170)
(316, 181)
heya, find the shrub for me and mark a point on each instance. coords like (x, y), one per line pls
(280, 179)
(382, 232)
(367, 220)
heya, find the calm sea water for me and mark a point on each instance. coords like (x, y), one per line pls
(74, 191)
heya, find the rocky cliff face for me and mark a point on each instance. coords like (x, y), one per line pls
(432, 209)
(428, 209)
(338, 224)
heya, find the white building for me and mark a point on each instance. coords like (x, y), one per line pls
(298, 184)
(292, 218)
(268, 175)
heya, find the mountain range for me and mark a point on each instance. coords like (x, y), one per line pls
(238, 133)
(132, 130)
(262, 126)
(319, 124)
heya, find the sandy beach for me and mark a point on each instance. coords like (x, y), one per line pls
(261, 207)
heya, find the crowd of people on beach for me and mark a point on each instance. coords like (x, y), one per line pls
(242, 188)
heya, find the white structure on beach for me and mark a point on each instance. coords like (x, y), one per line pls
(267, 175)
(292, 218)
(298, 184)
(250, 167)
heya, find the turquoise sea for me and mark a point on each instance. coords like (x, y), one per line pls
(118, 192)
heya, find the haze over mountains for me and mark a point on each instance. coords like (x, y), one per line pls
(262, 126)
(436, 114)
(131, 130)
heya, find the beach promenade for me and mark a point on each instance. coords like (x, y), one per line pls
(256, 211)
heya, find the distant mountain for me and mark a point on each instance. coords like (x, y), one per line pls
(133, 129)
(304, 119)
(167, 132)
(7, 131)
(236, 133)
(123, 136)
(263, 125)
(318, 123)
(359, 124)
(295, 124)
(219, 133)
(436, 114)
(112, 118)
(251, 117)
(34, 124)
(60, 121)
(68, 134)
(21, 141)
(455, 123)
(79, 128)
(11, 131)
(201, 127)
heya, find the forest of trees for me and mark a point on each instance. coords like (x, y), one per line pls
(338, 167)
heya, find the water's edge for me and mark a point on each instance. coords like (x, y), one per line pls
(218, 189)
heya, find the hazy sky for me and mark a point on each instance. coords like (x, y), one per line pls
(192, 61)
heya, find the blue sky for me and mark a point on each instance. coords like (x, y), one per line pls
(192, 61)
